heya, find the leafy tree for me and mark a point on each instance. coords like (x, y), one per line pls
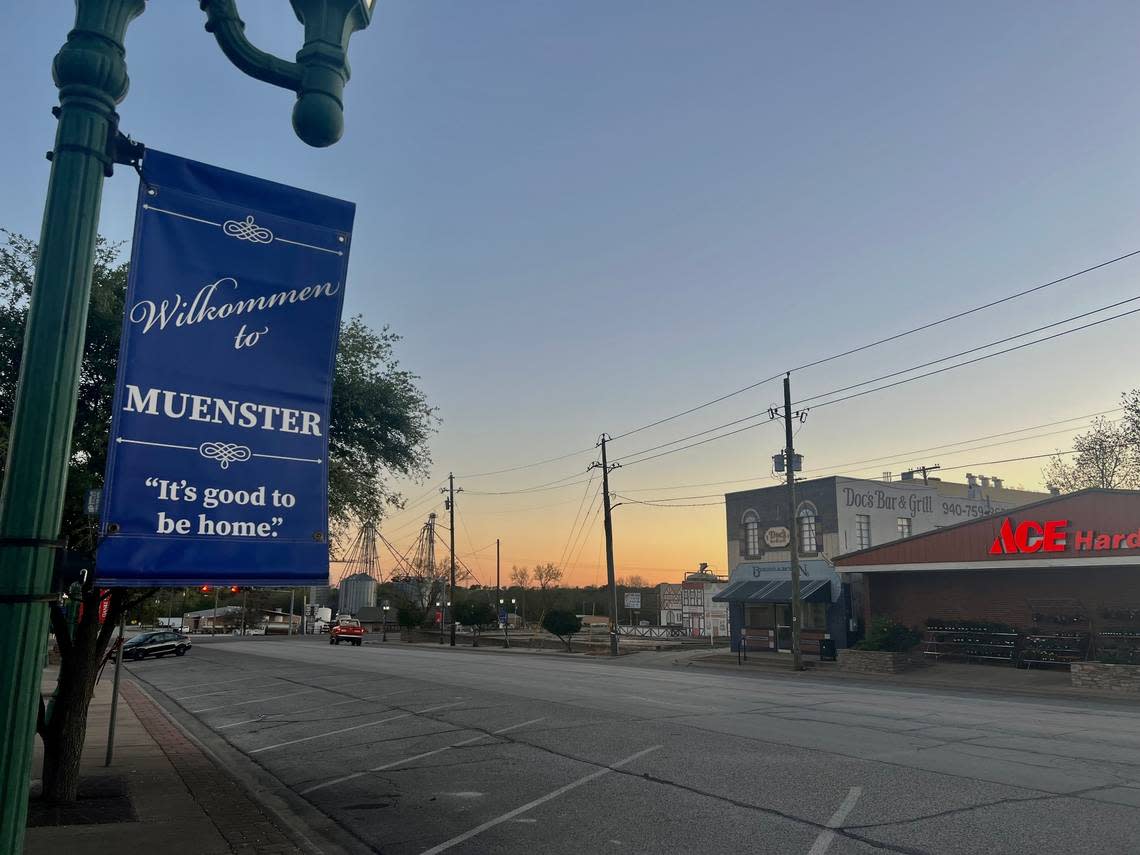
(380, 423)
(562, 624)
(474, 614)
(1107, 456)
(409, 617)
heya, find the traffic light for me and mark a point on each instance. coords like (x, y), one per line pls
(205, 589)
(234, 589)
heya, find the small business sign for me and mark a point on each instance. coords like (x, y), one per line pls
(777, 537)
(92, 500)
(633, 601)
(218, 464)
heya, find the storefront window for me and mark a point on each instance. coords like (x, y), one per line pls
(807, 531)
(815, 616)
(752, 534)
(862, 531)
(904, 526)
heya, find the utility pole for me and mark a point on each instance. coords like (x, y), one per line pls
(451, 508)
(790, 469)
(497, 593)
(606, 468)
(926, 470)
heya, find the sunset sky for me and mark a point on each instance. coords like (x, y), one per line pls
(587, 216)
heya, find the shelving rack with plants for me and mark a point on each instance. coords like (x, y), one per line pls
(969, 640)
(1117, 636)
(1061, 633)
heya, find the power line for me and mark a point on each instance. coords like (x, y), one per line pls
(972, 361)
(849, 352)
(535, 489)
(702, 442)
(527, 465)
(971, 350)
(888, 457)
(690, 436)
(574, 525)
(747, 388)
(967, 312)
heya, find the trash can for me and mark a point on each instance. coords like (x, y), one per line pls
(827, 650)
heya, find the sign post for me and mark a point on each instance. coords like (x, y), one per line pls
(218, 464)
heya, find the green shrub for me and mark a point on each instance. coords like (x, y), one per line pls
(889, 636)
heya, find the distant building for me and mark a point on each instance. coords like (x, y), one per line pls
(357, 591)
(669, 604)
(701, 615)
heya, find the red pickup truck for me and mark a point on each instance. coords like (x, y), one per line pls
(347, 629)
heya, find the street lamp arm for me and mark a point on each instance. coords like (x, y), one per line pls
(228, 28)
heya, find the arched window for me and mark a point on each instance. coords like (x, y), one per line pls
(806, 523)
(751, 534)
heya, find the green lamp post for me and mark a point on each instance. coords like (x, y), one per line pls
(91, 74)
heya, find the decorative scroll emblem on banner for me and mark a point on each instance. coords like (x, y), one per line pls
(218, 466)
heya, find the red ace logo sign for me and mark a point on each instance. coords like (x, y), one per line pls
(1030, 536)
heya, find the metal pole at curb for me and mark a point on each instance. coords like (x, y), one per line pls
(115, 691)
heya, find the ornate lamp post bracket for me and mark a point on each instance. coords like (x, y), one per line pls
(321, 69)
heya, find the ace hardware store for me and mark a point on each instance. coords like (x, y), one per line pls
(1048, 583)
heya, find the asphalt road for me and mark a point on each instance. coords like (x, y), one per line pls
(416, 749)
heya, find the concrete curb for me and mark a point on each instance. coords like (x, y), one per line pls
(290, 810)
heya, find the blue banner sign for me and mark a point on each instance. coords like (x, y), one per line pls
(218, 464)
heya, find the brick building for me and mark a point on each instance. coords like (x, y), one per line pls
(834, 515)
(1067, 563)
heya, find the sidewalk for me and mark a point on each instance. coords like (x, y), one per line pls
(181, 802)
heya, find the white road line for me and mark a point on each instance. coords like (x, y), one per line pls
(312, 709)
(259, 700)
(825, 837)
(479, 829)
(170, 689)
(415, 757)
(224, 691)
(354, 727)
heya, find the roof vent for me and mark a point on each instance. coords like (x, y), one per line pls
(971, 479)
(997, 483)
(985, 480)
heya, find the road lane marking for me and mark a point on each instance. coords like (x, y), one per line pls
(313, 709)
(223, 691)
(354, 727)
(825, 837)
(170, 689)
(509, 815)
(415, 757)
(259, 700)
(671, 704)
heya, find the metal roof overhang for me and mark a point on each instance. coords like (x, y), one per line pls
(755, 592)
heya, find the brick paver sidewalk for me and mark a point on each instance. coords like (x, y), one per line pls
(239, 819)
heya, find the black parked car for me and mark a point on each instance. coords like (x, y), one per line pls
(156, 644)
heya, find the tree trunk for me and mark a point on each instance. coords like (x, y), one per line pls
(66, 727)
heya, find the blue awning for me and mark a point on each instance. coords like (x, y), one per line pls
(752, 591)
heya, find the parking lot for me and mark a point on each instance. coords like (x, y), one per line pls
(417, 749)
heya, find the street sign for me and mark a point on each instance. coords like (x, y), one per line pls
(502, 615)
(218, 463)
(92, 500)
(633, 601)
